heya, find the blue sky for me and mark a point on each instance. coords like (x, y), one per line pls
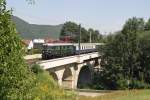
(104, 15)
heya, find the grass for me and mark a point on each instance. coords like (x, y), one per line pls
(122, 95)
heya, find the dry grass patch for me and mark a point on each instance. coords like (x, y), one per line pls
(122, 95)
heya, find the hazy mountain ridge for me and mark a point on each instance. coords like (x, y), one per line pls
(31, 31)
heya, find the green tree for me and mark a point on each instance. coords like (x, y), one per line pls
(147, 25)
(84, 35)
(130, 49)
(134, 24)
(145, 59)
(15, 76)
(120, 59)
(72, 29)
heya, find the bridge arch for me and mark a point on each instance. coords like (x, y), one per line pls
(67, 78)
(85, 77)
(54, 75)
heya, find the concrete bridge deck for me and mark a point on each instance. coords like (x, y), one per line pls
(48, 64)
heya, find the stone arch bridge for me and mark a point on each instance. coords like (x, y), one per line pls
(72, 71)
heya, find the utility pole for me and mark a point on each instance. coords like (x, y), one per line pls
(79, 38)
(90, 37)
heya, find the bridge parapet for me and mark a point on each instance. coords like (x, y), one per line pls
(48, 64)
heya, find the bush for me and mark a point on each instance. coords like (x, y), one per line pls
(33, 51)
(46, 88)
(98, 87)
(122, 84)
(36, 69)
(136, 84)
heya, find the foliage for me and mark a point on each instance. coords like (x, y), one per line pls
(35, 68)
(145, 59)
(125, 58)
(15, 76)
(33, 51)
(138, 85)
(46, 88)
(95, 35)
(17, 81)
(72, 29)
(147, 25)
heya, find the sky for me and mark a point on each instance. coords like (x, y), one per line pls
(103, 15)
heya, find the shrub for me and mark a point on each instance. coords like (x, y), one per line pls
(33, 51)
(122, 84)
(136, 84)
(98, 87)
(36, 68)
(46, 88)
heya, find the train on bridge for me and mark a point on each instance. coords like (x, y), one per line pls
(58, 50)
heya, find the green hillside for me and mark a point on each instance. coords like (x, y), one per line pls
(31, 31)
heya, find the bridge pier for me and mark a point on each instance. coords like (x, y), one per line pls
(59, 74)
(69, 71)
(76, 70)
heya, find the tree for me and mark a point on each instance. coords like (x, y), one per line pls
(147, 25)
(84, 35)
(15, 76)
(130, 44)
(134, 24)
(120, 59)
(72, 29)
(97, 36)
(145, 59)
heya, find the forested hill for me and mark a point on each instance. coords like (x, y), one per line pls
(30, 31)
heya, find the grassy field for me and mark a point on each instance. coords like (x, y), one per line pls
(122, 95)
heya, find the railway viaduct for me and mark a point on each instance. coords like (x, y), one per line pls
(72, 71)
